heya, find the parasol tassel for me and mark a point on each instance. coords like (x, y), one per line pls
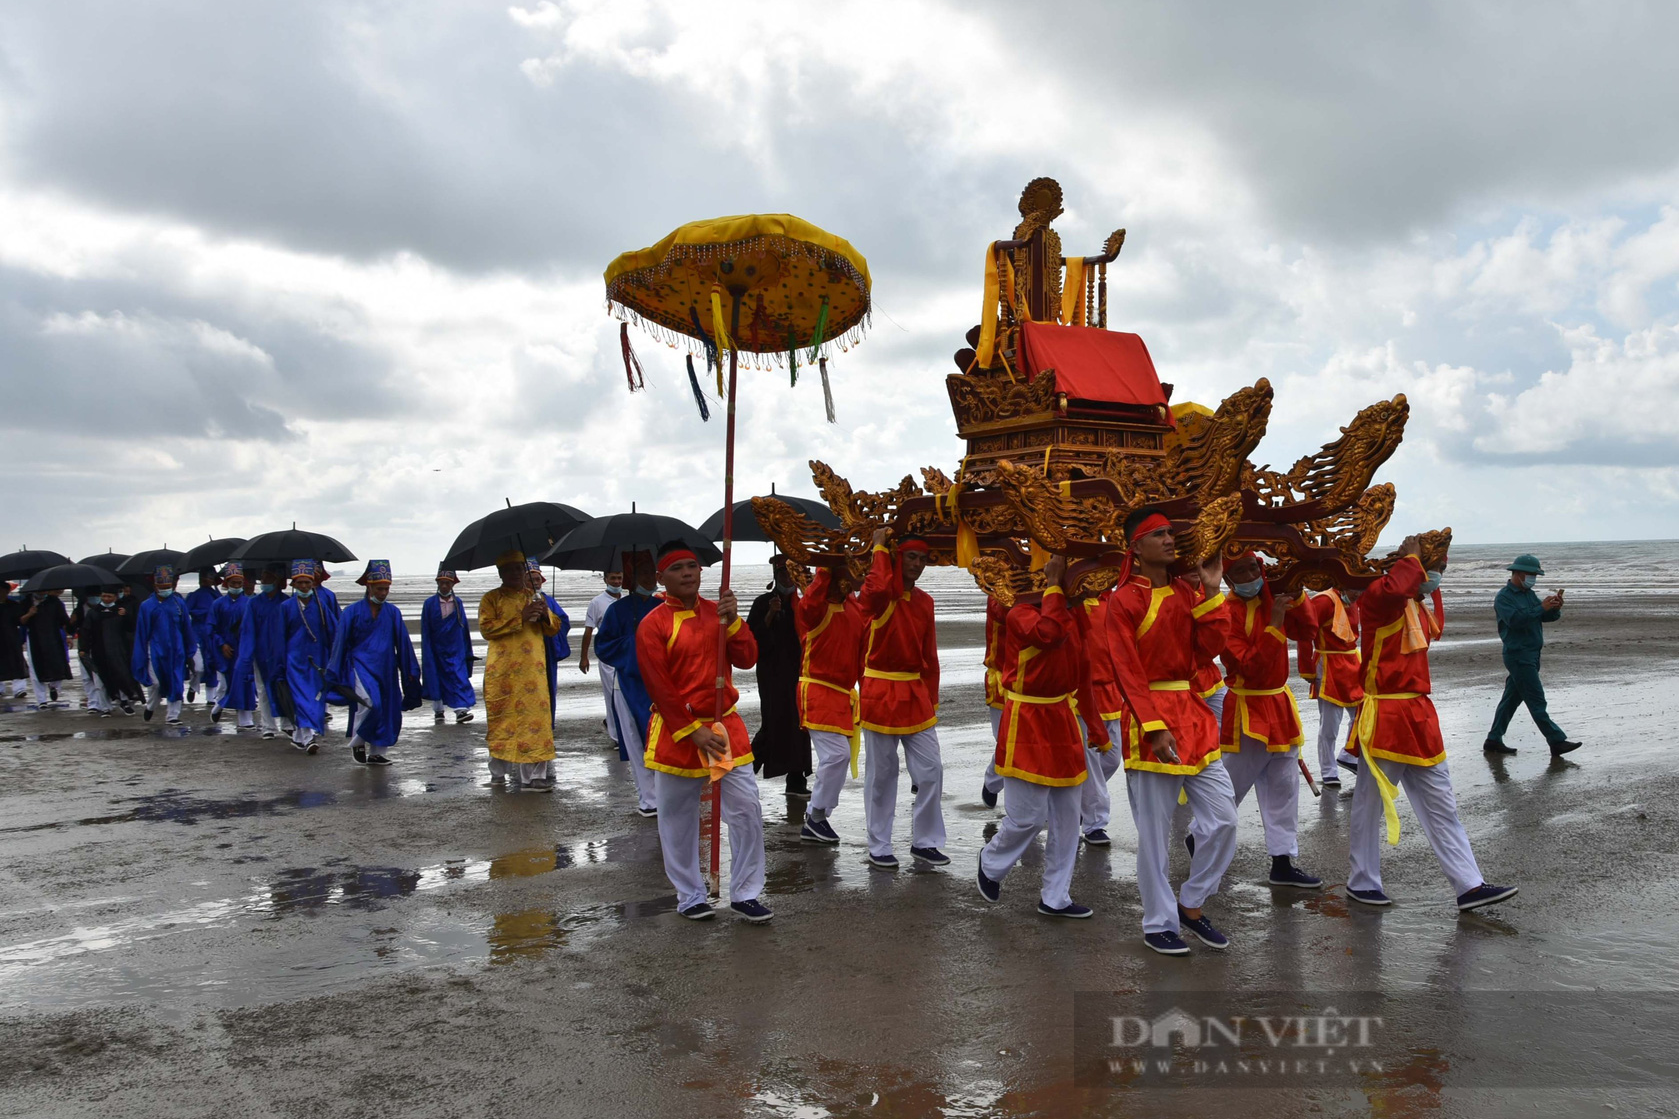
(719, 332)
(699, 395)
(632, 364)
(827, 389)
(711, 357)
(793, 356)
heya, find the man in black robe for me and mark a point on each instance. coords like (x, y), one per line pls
(782, 745)
(47, 621)
(106, 649)
(14, 670)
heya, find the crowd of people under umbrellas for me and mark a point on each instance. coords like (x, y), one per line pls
(1129, 677)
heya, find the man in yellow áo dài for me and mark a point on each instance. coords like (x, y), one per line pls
(517, 623)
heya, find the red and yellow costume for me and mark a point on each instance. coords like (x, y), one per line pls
(1396, 718)
(901, 657)
(1260, 705)
(831, 634)
(1046, 687)
(996, 616)
(1337, 644)
(677, 651)
(1110, 704)
(1160, 639)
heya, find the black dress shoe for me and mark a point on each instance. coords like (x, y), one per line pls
(359, 752)
(1558, 749)
(1495, 747)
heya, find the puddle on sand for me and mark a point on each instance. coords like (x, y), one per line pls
(173, 806)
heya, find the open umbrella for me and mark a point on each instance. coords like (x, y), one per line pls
(292, 544)
(211, 553)
(72, 577)
(533, 528)
(110, 561)
(746, 521)
(21, 565)
(764, 283)
(142, 564)
(598, 543)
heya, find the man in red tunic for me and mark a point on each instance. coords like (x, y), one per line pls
(1396, 738)
(1261, 733)
(996, 615)
(689, 739)
(1101, 760)
(1162, 631)
(1336, 682)
(831, 626)
(900, 702)
(1041, 746)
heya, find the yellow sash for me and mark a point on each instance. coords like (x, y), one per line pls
(856, 715)
(1364, 730)
(882, 674)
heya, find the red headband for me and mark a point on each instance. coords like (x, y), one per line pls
(676, 557)
(914, 544)
(1154, 522)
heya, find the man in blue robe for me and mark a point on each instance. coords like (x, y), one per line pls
(446, 652)
(615, 645)
(262, 653)
(558, 647)
(227, 626)
(310, 631)
(199, 604)
(164, 644)
(373, 665)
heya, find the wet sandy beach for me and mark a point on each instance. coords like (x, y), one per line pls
(197, 923)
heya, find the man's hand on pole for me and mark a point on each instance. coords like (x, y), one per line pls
(711, 744)
(728, 608)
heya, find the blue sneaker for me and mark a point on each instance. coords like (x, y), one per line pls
(932, 856)
(987, 797)
(754, 912)
(1348, 764)
(1330, 782)
(1203, 930)
(1072, 909)
(818, 831)
(988, 889)
(699, 911)
(1484, 895)
(885, 862)
(1371, 897)
(1189, 842)
(1098, 837)
(1166, 943)
(1286, 873)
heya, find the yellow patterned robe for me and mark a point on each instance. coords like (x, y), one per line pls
(521, 727)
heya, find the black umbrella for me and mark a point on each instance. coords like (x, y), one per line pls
(746, 521)
(142, 564)
(596, 545)
(292, 544)
(21, 565)
(110, 561)
(211, 553)
(532, 528)
(72, 577)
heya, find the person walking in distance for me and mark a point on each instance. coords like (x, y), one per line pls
(1522, 618)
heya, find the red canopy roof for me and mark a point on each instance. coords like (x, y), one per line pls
(1092, 364)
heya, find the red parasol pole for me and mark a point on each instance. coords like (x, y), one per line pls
(714, 793)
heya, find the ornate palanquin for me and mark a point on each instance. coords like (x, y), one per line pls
(1049, 470)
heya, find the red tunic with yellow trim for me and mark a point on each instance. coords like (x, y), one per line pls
(1260, 705)
(677, 652)
(1160, 638)
(831, 634)
(1340, 679)
(1306, 655)
(996, 614)
(901, 657)
(1396, 719)
(1046, 688)
(1093, 616)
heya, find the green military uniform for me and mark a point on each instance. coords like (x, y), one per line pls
(1521, 626)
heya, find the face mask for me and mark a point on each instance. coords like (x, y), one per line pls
(449, 593)
(165, 592)
(1432, 583)
(235, 592)
(1249, 589)
(268, 588)
(378, 598)
(305, 595)
(615, 592)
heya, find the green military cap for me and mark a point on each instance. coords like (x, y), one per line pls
(1529, 564)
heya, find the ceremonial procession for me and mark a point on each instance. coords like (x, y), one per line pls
(744, 676)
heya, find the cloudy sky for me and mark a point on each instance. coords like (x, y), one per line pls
(340, 264)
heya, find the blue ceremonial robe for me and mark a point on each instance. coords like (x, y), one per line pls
(310, 630)
(615, 645)
(227, 627)
(329, 601)
(446, 654)
(556, 649)
(373, 661)
(164, 644)
(262, 645)
(199, 604)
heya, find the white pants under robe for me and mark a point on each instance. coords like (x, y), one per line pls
(994, 783)
(679, 834)
(833, 764)
(1154, 797)
(1429, 790)
(1275, 781)
(629, 732)
(1095, 799)
(1330, 716)
(1029, 808)
(926, 771)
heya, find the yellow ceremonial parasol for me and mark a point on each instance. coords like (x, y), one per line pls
(765, 284)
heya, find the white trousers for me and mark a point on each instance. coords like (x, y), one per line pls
(1154, 797)
(265, 709)
(15, 689)
(926, 771)
(438, 707)
(1429, 790)
(43, 692)
(522, 772)
(97, 698)
(1095, 800)
(1329, 737)
(833, 760)
(1275, 781)
(679, 834)
(608, 689)
(157, 695)
(994, 783)
(1216, 702)
(1029, 808)
(646, 790)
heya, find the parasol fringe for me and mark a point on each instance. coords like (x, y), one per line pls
(632, 364)
(699, 395)
(684, 339)
(827, 389)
